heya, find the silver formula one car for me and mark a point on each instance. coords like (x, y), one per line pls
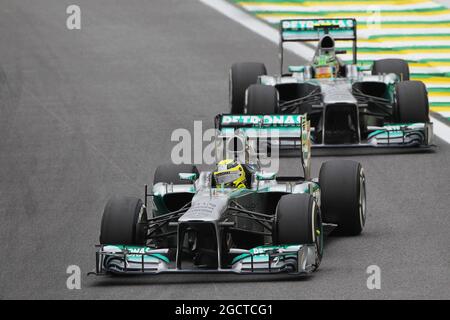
(348, 106)
(268, 224)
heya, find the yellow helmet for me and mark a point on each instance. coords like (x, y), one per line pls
(230, 174)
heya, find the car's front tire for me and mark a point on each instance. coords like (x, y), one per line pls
(123, 222)
(411, 102)
(298, 221)
(343, 196)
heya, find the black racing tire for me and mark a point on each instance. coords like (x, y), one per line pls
(298, 221)
(121, 222)
(343, 196)
(261, 99)
(169, 173)
(243, 240)
(242, 75)
(411, 102)
(398, 66)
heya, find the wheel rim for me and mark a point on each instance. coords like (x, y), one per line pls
(362, 198)
(317, 229)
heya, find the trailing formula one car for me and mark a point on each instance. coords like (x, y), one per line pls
(237, 218)
(347, 105)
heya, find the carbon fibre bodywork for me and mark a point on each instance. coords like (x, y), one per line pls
(215, 214)
(352, 106)
(200, 227)
(343, 116)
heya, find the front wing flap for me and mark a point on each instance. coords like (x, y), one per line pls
(293, 259)
(414, 134)
(389, 136)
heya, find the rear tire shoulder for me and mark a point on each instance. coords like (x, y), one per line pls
(398, 66)
(242, 75)
(261, 99)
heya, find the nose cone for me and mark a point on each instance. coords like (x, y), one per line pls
(206, 208)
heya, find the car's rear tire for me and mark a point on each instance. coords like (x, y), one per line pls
(343, 196)
(169, 173)
(242, 75)
(261, 99)
(411, 102)
(298, 221)
(398, 66)
(123, 222)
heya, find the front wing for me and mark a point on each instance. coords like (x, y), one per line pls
(415, 135)
(293, 259)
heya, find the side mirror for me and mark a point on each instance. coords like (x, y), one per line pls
(364, 68)
(239, 251)
(265, 175)
(188, 176)
(296, 68)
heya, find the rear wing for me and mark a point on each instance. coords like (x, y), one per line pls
(302, 30)
(268, 128)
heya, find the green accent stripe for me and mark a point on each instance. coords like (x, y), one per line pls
(411, 35)
(368, 61)
(387, 23)
(161, 257)
(293, 1)
(337, 12)
(298, 1)
(423, 76)
(439, 104)
(446, 90)
(434, 60)
(381, 48)
(434, 74)
(412, 22)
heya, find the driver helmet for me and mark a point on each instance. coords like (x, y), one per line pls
(325, 66)
(230, 174)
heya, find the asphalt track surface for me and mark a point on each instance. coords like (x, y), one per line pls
(88, 114)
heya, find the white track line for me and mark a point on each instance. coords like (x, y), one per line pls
(441, 129)
(272, 7)
(257, 26)
(395, 44)
(275, 18)
(250, 22)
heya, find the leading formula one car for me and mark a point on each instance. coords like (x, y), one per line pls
(266, 224)
(347, 106)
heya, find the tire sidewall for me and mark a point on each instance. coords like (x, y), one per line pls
(342, 185)
(119, 225)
